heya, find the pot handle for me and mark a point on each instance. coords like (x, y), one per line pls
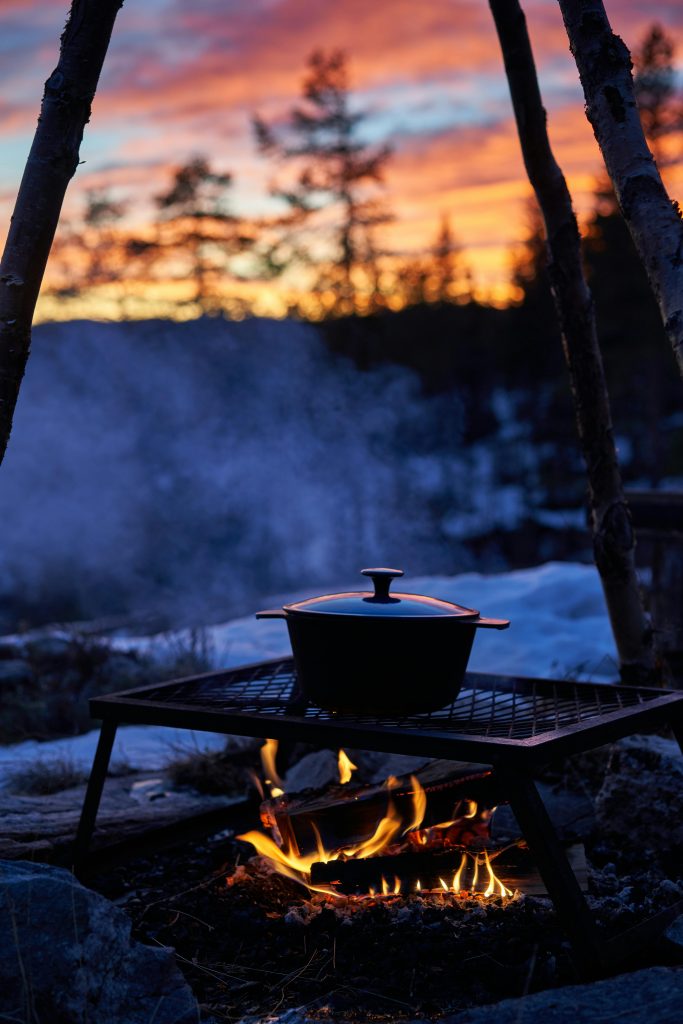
(489, 623)
(272, 613)
(382, 580)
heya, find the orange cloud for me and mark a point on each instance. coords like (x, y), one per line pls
(184, 77)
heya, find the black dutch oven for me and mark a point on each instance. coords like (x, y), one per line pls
(380, 653)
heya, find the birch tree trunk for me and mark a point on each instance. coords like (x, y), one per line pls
(52, 162)
(613, 536)
(653, 218)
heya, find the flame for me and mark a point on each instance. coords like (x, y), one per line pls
(287, 860)
(494, 884)
(494, 881)
(257, 782)
(419, 804)
(321, 852)
(271, 777)
(346, 767)
(458, 873)
(472, 809)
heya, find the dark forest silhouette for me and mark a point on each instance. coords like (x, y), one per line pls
(423, 314)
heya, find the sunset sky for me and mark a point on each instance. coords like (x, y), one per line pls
(185, 76)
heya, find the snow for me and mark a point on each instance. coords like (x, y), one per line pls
(559, 630)
(138, 747)
(559, 623)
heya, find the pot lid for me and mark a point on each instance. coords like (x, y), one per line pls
(381, 603)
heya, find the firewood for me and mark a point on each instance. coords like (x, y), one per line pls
(344, 815)
(514, 867)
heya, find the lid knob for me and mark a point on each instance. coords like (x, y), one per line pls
(382, 580)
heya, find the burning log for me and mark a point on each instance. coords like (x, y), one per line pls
(448, 871)
(344, 815)
(408, 869)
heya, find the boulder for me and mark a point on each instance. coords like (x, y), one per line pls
(638, 806)
(654, 995)
(674, 932)
(67, 957)
(15, 672)
(313, 771)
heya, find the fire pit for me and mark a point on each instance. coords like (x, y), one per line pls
(509, 725)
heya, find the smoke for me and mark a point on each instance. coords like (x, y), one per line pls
(194, 468)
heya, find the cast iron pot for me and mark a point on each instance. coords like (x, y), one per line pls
(381, 654)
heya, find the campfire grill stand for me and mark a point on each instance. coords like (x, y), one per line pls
(513, 724)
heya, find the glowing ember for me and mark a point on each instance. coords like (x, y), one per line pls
(346, 767)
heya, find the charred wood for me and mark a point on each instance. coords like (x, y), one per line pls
(348, 814)
(514, 867)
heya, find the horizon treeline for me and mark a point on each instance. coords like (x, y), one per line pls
(323, 248)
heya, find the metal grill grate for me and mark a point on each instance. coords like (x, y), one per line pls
(487, 706)
(510, 723)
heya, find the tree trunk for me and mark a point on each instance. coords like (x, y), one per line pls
(613, 536)
(51, 164)
(653, 219)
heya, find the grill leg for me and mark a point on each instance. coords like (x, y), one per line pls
(93, 794)
(553, 866)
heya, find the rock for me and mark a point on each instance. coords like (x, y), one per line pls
(571, 813)
(15, 672)
(639, 803)
(51, 821)
(67, 957)
(9, 649)
(391, 764)
(320, 768)
(50, 649)
(314, 771)
(674, 932)
(654, 995)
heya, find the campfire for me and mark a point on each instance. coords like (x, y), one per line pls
(402, 837)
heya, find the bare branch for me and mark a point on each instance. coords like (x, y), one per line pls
(654, 220)
(613, 537)
(51, 163)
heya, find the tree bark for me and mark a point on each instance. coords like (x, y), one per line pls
(653, 218)
(52, 162)
(613, 536)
